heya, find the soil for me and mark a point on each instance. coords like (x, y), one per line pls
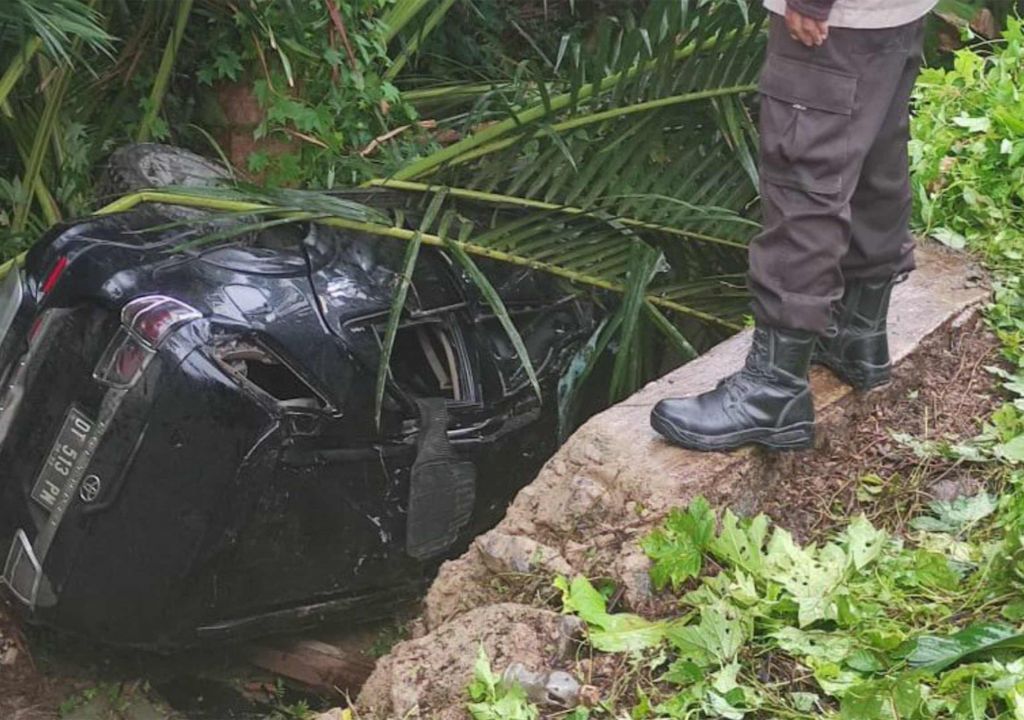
(45, 675)
(945, 394)
(25, 692)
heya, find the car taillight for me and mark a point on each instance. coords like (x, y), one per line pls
(54, 275)
(151, 318)
(123, 361)
(145, 323)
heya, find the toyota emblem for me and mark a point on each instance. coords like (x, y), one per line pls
(90, 489)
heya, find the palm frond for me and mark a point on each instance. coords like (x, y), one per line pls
(640, 145)
(57, 24)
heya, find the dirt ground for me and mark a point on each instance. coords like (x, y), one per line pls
(26, 693)
(945, 394)
(45, 675)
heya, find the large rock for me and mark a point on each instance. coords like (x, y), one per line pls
(429, 675)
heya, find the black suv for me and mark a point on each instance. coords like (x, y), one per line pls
(187, 440)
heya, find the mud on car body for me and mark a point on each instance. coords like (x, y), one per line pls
(188, 449)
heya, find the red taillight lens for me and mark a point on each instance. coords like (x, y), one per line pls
(123, 361)
(151, 318)
(145, 322)
(55, 272)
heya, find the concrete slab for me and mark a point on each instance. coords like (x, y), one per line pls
(615, 479)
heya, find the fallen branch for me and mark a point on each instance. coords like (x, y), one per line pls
(391, 134)
(339, 24)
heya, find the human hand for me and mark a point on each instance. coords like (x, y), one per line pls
(811, 32)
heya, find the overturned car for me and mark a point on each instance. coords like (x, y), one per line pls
(188, 449)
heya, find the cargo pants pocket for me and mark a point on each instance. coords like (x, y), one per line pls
(806, 113)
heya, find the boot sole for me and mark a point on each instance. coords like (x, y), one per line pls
(863, 378)
(799, 436)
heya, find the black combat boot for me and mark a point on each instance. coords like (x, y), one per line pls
(859, 351)
(768, 402)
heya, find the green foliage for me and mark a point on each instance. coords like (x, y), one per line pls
(677, 548)
(620, 632)
(317, 69)
(862, 613)
(59, 24)
(968, 151)
(493, 699)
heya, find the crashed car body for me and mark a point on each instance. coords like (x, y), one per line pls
(188, 449)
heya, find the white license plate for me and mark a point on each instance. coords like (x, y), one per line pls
(57, 474)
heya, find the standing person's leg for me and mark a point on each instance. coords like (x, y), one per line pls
(822, 109)
(881, 245)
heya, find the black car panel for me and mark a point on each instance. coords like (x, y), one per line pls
(210, 408)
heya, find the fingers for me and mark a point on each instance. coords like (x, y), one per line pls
(819, 30)
(810, 32)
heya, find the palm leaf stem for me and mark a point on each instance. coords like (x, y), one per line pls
(40, 144)
(413, 45)
(129, 201)
(515, 201)
(17, 67)
(163, 74)
(611, 114)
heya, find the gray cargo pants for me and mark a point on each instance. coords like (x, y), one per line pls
(835, 186)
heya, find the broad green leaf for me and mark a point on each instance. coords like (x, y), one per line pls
(897, 698)
(935, 653)
(863, 541)
(1012, 451)
(949, 238)
(811, 579)
(741, 543)
(956, 516)
(716, 639)
(819, 644)
(676, 558)
(676, 548)
(620, 632)
(804, 702)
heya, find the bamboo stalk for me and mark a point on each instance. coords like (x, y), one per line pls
(163, 74)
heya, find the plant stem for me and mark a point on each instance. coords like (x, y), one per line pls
(410, 49)
(612, 113)
(129, 201)
(540, 205)
(163, 74)
(339, 25)
(40, 144)
(17, 67)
